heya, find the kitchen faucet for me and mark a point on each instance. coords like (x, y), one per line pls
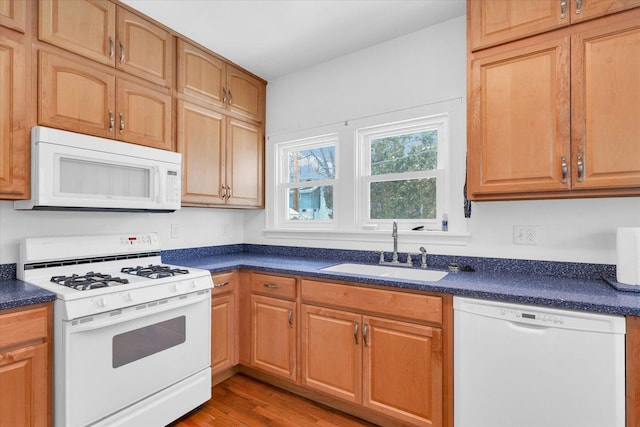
(394, 257)
(394, 234)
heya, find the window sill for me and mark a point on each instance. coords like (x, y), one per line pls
(384, 236)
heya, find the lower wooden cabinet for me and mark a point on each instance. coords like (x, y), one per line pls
(273, 336)
(25, 374)
(389, 366)
(224, 322)
(274, 325)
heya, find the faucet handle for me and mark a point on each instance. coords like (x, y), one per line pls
(409, 261)
(381, 261)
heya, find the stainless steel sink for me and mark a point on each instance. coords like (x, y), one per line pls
(387, 271)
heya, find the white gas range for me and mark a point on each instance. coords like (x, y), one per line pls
(131, 334)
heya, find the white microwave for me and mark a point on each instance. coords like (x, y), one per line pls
(80, 172)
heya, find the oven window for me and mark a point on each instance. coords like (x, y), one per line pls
(140, 343)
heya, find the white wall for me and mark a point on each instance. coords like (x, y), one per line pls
(198, 226)
(417, 69)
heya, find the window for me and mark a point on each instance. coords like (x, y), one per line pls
(307, 179)
(402, 171)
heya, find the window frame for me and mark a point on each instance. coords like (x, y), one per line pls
(364, 136)
(282, 184)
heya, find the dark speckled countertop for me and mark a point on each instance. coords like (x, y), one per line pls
(527, 288)
(16, 293)
(556, 284)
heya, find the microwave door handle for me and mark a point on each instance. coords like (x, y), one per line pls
(157, 186)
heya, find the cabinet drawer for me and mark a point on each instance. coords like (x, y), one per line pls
(223, 283)
(23, 326)
(422, 308)
(277, 286)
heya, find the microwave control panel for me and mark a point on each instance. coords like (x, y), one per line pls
(173, 186)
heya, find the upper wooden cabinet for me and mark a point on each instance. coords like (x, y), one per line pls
(492, 22)
(85, 97)
(14, 125)
(13, 14)
(210, 79)
(223, 158)
(542, 125)
(111, 35)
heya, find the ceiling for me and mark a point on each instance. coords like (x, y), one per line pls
(272, 38)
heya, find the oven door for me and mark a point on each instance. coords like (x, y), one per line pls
(116, 359)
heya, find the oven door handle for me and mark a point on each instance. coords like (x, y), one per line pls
(137, 314)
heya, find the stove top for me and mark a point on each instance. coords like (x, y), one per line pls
(94, 274)
(88, 281)
(155, 271)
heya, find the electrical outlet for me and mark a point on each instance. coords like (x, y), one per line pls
(176, 231)
(224, 230)
(525, 234)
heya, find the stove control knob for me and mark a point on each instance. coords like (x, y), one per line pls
(127, 297)
(174, 287)
(192, 284)
(100, 303)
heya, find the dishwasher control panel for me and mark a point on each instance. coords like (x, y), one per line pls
(544, 318)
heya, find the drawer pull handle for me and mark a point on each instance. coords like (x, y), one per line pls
(291, 317)
(565, 169)
(221, 285)
(563, 9)
(578, 7)
(365, 335)
(580, 168)
(356, 326)
(271, 286)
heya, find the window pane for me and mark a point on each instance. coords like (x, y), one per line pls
(404, 153)
(311, 203)
(406, 199)
(312, 165)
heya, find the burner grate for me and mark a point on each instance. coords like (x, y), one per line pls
(88, 281)
(154, 271)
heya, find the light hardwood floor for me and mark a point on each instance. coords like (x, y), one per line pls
(244, 401)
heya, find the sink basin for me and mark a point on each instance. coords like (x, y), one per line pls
(388, 271)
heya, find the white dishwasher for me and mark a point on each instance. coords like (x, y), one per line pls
(528, 366)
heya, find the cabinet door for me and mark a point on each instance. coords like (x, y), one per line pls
(144, 115)
(201, 135)
(273, 336)
(246, 94)
(24, 386)
(581, 10)
(493, 22)
(13, 14)
(144, 49)
(402, 371)
(200, 74)
(75, 95)
(605, 89)
(14, 129)
(518, 117)
(85, 27)
(223, 333)
(245, 163)
(332, 352)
